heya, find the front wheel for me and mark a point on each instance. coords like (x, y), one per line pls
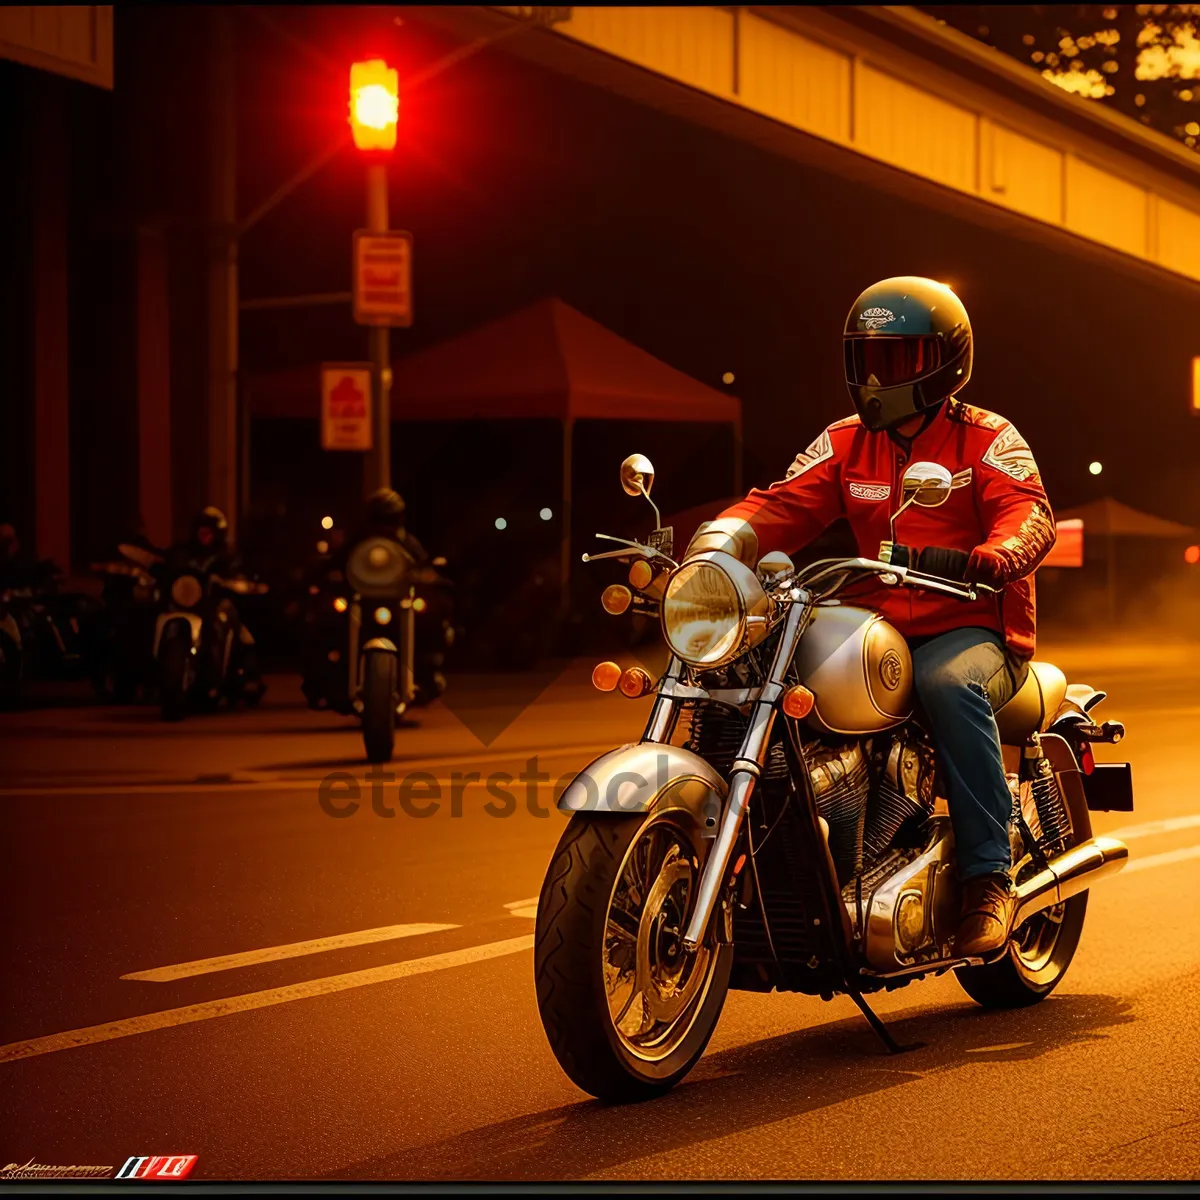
(175, 664)
(626, 1008)
(379, 705)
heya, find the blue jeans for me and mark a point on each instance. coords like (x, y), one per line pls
(962, 678)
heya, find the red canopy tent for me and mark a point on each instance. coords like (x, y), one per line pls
(547, 360)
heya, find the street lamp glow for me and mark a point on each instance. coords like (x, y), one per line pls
(501, 523)
(1095, 468)
(326, 522)
(545, 514)
(727, 377)
(374, 104)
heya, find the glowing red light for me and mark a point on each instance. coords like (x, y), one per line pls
(1192, 554)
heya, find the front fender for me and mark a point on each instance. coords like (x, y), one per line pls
(646, 775)
(380, 643)
(194, 624)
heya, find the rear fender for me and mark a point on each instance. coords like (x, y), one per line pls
(645, 776)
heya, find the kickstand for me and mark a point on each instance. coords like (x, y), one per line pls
(880, 1028)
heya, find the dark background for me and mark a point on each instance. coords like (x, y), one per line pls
(518, 183)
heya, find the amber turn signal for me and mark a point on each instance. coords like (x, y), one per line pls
(605, 676)
(616, 598)
(635, 682)
(640, 574)
(798, 702)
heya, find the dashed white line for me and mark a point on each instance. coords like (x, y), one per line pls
(250, 958)
(149, 1022)
(1161, 860)
(523, 908)
(1153, 828)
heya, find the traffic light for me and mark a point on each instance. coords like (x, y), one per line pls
(374, 104)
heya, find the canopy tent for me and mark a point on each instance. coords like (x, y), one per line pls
(1110, 519)
(546, 360)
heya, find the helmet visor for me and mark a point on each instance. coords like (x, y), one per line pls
(885, 360)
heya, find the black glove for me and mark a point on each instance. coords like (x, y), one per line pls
(933, 560)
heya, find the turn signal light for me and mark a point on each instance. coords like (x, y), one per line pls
(640, 574)
(798, 702)
(616, 598)
(635, 682)
(605, 676)
(339, 604)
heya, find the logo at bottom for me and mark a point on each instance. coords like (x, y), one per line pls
(157, 1166)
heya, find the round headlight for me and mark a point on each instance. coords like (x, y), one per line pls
(702, 614)
(186, 591)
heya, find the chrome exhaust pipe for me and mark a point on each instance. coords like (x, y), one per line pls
(1072, 872)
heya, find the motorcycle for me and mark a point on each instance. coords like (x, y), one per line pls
(195, 636)
(11, 652)
(130, 597)
(782, 824)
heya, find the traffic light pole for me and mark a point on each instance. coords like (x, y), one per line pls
(378, 472)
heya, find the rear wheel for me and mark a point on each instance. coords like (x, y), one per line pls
(379, 705)
(1040, 949)
(626, 1008)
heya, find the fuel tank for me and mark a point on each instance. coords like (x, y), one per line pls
(859, 669)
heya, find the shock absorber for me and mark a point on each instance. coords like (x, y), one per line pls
(1047, 798)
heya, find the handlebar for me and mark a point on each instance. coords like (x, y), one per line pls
(892, 576)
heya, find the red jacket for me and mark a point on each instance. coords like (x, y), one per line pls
(997, 512)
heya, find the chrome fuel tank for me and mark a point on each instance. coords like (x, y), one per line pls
(859, 669)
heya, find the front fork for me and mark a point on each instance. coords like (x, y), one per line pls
(747, 768)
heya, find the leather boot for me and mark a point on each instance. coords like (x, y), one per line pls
(989, 903)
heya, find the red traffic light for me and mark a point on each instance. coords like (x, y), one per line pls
(374, 104)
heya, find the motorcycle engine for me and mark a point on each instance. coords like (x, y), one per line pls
(868, 792)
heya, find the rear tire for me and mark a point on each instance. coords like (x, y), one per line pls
(1039, 951)
(577, 978)
(379, 705)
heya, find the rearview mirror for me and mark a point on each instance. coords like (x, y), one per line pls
(637, 475)
(927, 484)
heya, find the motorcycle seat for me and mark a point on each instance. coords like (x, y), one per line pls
(1034, 705)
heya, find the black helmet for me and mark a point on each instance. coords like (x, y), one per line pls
(908, 348)
(385, 508)
(213, 520)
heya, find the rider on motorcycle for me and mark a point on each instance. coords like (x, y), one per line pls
(908, 351)
(207, 548)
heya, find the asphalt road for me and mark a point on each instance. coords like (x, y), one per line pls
(414, 1051)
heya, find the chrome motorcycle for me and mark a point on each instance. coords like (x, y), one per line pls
(781, 824)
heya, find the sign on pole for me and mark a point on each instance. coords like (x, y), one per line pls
(345, 406)
(383, 278)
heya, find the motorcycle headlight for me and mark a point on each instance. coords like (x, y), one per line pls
(377, 566)
(713, 609)
(186, 591)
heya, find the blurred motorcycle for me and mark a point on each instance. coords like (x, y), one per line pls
(200, 644)
(130, 597)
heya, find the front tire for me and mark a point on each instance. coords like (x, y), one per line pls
(626, 1010)
(174, 660)
(379, 705)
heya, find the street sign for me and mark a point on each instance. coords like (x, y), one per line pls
(345, 406)
(383, 277)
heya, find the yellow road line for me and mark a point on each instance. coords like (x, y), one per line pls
(250, 958)
(149, 1022)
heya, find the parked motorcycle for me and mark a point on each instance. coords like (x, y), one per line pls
(781, 825)
(130, 597)
(200, 645)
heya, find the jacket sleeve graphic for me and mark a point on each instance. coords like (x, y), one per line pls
(1016, 514)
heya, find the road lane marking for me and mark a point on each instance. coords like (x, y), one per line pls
(250, 958)
(523, 908)
(149, 1022)
(1152, 828)
(1162, 860)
